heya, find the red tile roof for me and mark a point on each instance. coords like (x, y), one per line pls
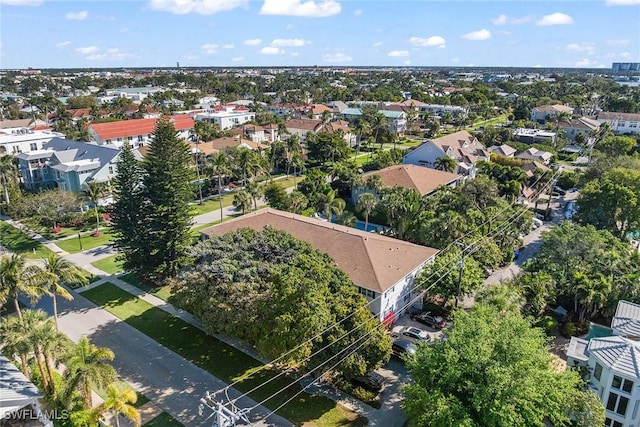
(136, 127)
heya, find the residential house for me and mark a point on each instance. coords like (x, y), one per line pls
(136, 94)
(530, 167)
(613, 366)
(397, 119)
(284, 110)
(581, 126)
(439, 110)
(260, 134)
(29, 123)
(226, 116)
(535, 136)
(301, 127)
(502, 150)
(543, 113)
(315, 111)
(423, 180)
(337, 106)
(24, 140)
(408, 104)
(621, 123)
(219, 144)
(536, 155)
(68, 165)
(463, 147)
(137, 132)
(19, 399)
(342, 126)
(381, 267)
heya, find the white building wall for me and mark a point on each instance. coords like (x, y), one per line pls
(21, 140)
(621, 127)
(425, 155)
(603, 388)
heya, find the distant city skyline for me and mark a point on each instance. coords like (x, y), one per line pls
(218, 33)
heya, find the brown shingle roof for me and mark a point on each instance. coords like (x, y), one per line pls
(606, 115)
(423, 180)
(464, 146)
(310, 125)
(370, 260)
(211, 147)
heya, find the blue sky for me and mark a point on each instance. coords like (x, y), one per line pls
(147, 33)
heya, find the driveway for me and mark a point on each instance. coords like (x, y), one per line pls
(171, 382)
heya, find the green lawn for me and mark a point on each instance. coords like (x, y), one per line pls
(142, 399)
(17, 241)
(221, 360)
(109, 264)
(211, 205)
(88, 242)
(164, 420)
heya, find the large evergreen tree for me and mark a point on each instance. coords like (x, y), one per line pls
(127, 219)
(167, 192)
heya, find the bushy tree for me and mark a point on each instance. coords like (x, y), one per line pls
(493, 370)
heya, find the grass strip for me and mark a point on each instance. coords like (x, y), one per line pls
(164, 420)
(109, 264)
(88, 242)
(221, 360)
(19, 242)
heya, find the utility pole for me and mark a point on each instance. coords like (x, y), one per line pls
(198, 167)
(223, 416)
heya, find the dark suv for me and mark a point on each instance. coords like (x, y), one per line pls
(428, 319)
(401, 347)
(373, 382)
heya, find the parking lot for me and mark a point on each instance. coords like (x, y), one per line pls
(406, 320)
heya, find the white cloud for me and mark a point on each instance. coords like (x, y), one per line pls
(252, 42)
(294, 53)
(190, 57)
(377, 44)
(407, 62)
(511, 20)
(478, 35)
(63, 44)
(588, 63)
(357, 12)
(555, 19)
(335, 58)
(289, 42)
(77, 16)
(87, 50)
(309, 8)
(398, 53)
(22, 2)
(589, 48)
(622, 2)
(617, 42)
(202, 7)
(209, 48)
(433, 41)
(112, 54)
(237, 58)
(228, 46)
(290, 27)
(270, 50)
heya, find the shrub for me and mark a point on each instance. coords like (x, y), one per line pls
(568, 329)
(547, 323)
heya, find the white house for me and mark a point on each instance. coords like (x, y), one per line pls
(397, 119)
(24, 140)
(137, 132)
(580, 126)
(381, 267)
(461, 146)
(301, 127)
(621, 123)
(226, 116)
(542, 113)
(19, 398)
(532, 136)
(613, 365)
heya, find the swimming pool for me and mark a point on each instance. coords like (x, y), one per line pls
(598, 331)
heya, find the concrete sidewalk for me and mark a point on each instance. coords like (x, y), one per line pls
(35, 236)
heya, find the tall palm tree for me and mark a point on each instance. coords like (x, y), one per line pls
(61, 272)
(119, 401)
(297, 202)
(87, 364)
(298, 167)
(330, 204)
(255, 190)
(375, 183)
(93, 192)
(219, 164)
(17, 278)
(32, 323)
(445, 163)
(8, 175)
(16, 341)
(47, 343)
(367, 203)
(242, 201)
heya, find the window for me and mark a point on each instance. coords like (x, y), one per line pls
(633, 124)
(140, 138)
(33, 146)
(617, 403)
(622, 384)
(608, 422)
(597, 372)
(367, 293)
(111, 170)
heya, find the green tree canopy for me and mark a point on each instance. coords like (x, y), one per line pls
(493, 370)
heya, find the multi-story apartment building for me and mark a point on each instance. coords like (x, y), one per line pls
(621, 123)
(227, 116)
(137, 132)
(24, 140)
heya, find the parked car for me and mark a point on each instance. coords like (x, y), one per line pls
(537, 222)
(411, 332)
(373, 382)
(402, 347)
(429, 319)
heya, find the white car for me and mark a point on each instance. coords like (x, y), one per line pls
(411, 332)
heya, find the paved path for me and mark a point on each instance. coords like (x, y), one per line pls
(35, 236)
(174, 384)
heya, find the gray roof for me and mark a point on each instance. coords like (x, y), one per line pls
(67, 151)
(387, 113)
(578, 349)
(627, 319)
(33, 155)
(16, 391)
(618, 354)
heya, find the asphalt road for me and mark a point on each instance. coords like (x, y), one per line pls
(171, 382)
